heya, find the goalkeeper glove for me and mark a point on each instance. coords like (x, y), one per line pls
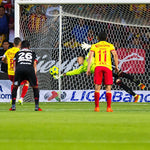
(57, 76)
(85, 46)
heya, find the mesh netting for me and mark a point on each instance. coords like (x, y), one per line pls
(127, 27)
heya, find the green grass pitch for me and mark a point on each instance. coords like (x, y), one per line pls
(75, 126)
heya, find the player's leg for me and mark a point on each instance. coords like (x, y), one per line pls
(25, 84)
(98, 76)
(127, 89)
(11, 78)
(108, 81)
(14, 94)
(34, 83)
(36, 97)
(108, 98)
(131, 78)
(97, 96)
(12, 86)
(18, 78)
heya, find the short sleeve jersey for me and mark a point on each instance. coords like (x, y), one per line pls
(25, 57)
(102, 52)
(9, 54)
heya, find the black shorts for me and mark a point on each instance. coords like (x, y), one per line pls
(25, 73)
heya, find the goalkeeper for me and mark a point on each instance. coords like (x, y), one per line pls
(83, 62)
(117, 80)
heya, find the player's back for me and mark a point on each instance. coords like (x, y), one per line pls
(102, 51)
(25, 57)
(10, 53)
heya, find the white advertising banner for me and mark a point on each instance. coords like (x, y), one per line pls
(74, 95)
(5, 91)
(88, 96)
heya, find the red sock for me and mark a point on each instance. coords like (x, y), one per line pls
(108, 97)
(12, 87)
(97, 95)
(24, 91)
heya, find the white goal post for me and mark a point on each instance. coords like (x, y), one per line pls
(56, 42)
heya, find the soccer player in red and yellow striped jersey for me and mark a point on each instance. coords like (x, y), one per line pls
(103, 51)
(9, 56)
(36, 21)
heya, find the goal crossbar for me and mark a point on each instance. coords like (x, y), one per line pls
(81, 2)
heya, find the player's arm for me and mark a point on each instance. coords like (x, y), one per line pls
(115, 55)
(75, 71)
(35, 62)
(35, 66)
(89, 62)
(70, 73)
(4, 59)
(14, 62)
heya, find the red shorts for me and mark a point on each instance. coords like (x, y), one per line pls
(11, 78)
(101, 72)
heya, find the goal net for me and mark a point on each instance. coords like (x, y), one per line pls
(56, 33)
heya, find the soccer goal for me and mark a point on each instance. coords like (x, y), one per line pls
(57, 30)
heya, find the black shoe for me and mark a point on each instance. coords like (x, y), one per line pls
(12, 109)
(38, 109)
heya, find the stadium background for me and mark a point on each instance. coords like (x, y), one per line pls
(127, 26)
(75, 126)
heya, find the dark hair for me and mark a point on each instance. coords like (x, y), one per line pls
(17, 40)
(25, 44)
(2, 7)
(102, 36)
(5, 41)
